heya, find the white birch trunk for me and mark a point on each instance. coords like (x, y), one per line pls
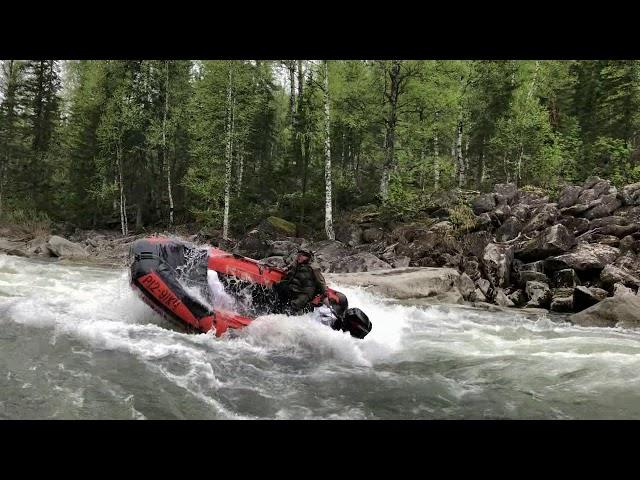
(240, 158)
(292, 91)
(459, 156)
(328, 216)
(123, 199)
(436, 162)
(164, 142)
(228, 164)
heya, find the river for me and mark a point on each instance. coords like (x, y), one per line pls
(76, 343)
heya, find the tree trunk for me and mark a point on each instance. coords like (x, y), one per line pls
(164, 141)
(228, 159)
(240, 157)
(2, 173)
(292, 91)
(481, 170)
(466, 157)
(328, 216)
(303, 203)
(436, 162)
(300, 122)
(390, 134)
(460, 156)
(123, 199)
(291, 66)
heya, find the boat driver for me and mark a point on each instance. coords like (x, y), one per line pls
(301, 284)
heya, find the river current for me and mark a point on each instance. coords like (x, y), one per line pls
(77, 343)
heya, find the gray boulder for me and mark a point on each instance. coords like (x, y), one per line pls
(484, 203)
(521, 212)
(496, 261)
(531, 276)
(619, 289)
(277, 262)
(576, 210)
(359, 262)
(281, 248)
(609, 204)
(614, 225)
(466, 286)
(508, 191)
(585, 256)
(13, 248)
(502, 299)
(554, 240)
(484, 286)
(569, 196)
(543, 217)
(436, 284)
(485, 221)
(533, 199)
(629, 262)
(38, 248)
(478, 296)
(537, 266)
(566, 278)
(509, 230)
(538, 293)
(254, 244)
(590, 182)
(629, 243)
(575, 225)
(612, 274)
(474, 243)
(349, 234)
(328, 252)
(622, 311)
(472, 268)
(518, 297)
(585, 297)
(61, 247)
(502, 212)
(561, 304)
(631, 194)
(372, 235)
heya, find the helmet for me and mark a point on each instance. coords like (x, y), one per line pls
(306, 253)
(356, 323)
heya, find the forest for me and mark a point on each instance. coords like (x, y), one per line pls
(142, 144)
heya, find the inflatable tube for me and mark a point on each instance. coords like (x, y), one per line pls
(157, 264)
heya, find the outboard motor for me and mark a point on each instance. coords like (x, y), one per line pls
(357, 323)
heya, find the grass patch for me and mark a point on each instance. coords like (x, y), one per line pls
(462, 218)
(27, 223)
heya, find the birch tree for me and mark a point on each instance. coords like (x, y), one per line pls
(328, 217)
(164, 141)
(228, 155)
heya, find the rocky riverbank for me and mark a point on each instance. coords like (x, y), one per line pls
(511, 248)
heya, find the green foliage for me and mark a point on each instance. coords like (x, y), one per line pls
(462, 218)
(538, 123)
(30, 222)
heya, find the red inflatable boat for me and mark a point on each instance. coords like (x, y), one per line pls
(162, 267)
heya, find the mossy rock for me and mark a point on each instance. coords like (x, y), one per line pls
(280, 225)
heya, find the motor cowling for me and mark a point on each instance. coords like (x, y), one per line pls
(357, 323)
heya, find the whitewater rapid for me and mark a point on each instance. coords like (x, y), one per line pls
(76, 342)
